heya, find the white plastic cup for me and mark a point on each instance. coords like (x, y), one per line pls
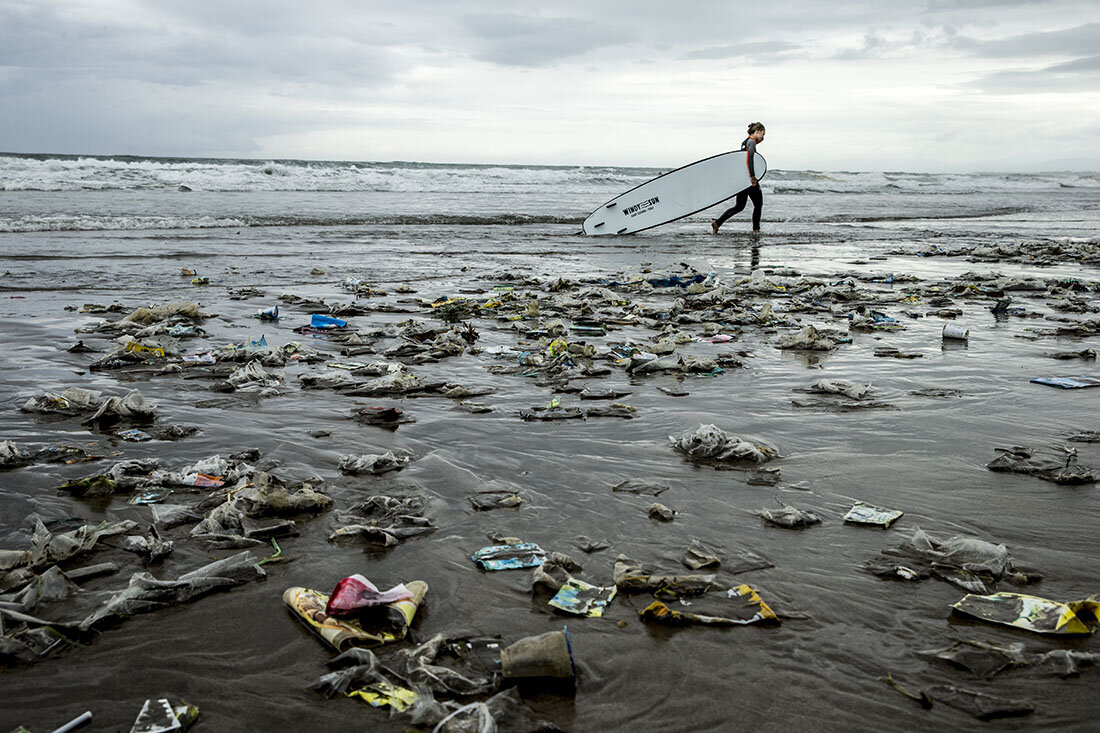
(955, 333)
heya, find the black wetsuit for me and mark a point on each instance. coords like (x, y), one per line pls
(752, 192)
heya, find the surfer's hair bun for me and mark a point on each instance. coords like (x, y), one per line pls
(754, 126)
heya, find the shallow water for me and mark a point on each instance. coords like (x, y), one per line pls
(248, 665)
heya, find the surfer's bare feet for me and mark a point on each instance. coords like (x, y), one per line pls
(713, 226)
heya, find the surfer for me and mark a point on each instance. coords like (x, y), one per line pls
(756, 136)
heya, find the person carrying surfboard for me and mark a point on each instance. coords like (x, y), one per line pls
(756, 136)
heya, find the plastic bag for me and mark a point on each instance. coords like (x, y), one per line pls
(355, 593)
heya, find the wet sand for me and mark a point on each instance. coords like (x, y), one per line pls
(248, 665)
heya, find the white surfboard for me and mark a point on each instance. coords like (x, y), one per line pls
(676, 194)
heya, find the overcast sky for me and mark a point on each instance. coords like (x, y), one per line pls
(918, 85)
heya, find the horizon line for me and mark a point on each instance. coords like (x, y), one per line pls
(991, 171)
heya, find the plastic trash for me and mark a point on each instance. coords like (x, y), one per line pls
(660, 512)
(509, 557)
(452, 666)
(698, 556)
(382, 694)
(747, 608)
(789, 517)
(488, 499)
(374, 464)
(145, 593)
(847, 389)
(582, 598)
(160, 716)
(862, 513)
(548, 655)
(808, 339)
(387, 623)
(982, 658)
(1059, 466)
(355, 593)
(632, 577)
(268, 315)
(83, 718)
(1079, 381)
(954, 332)
(981, 705)
(1032, 613)
(319, 320)
(400, 528)
(710, 444)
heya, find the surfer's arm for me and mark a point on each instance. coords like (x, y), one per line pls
(750, 155)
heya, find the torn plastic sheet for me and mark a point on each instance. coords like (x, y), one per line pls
(809, 339)
(449, 665)
(846, 389)
(972, 564)
(1060, 470)
(509, 557)
(48, 548)
(385, 520)
(28, 639)
(982, 658)
(747, 608)
(1067, 662)
(710, 444)
(389, 417)
(698, 556)
(487, 499)
(253, 375)
(266, 495)
(71, 402)
(383, 624)
(1032, 613)
(11, 456)
(160, 716)
(355, 593)
(150, 497)
(145, 593)
(51, 585)
(1078, 381)
(374, 464)
(862, 513)
(504, 711)
(150, 546)
(382, 694)
(633, 577)
(660, 512)
(582, 598)
(132, 408)
(789, 517)
(981, 705)
(640, 486)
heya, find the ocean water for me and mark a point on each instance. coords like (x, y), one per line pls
(117, 230)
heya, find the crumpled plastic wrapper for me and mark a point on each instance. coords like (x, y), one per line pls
(710, 444)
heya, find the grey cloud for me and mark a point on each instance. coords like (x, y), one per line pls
(769, 49)
(1083, 39)
(946, 5)
(1075, 76)
(41, 42)
(75, 117)
(873, 44)
(516, 40)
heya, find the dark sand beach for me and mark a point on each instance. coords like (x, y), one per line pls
(468, 282)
